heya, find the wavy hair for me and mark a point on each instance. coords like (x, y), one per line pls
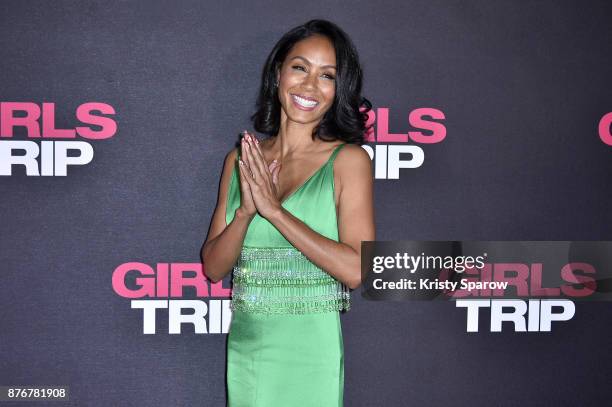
(343, 120)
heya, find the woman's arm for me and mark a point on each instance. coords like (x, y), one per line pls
(224, 242)
(353, 175)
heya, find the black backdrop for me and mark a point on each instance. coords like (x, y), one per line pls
(522, 85)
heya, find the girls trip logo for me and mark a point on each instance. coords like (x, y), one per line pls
(159, 291)
(390, 158)
(49, 150)
(534, 314)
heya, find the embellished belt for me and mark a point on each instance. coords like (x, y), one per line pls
(281, 280)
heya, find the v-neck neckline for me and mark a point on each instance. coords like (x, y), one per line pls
(311, 177)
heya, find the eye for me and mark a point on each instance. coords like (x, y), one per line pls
(300, 67)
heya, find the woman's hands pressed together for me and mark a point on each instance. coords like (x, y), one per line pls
(258, 181)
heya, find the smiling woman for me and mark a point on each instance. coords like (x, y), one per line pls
(292, 212)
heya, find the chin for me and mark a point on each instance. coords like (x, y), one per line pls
(301, 116)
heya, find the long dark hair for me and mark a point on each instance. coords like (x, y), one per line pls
(343, 120)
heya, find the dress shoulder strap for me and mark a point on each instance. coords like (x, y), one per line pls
(335, 152)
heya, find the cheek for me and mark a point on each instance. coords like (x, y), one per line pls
(330, 94)
(286, 84)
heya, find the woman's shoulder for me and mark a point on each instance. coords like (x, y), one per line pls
(352, 155)
(353, 171)
(232, 155)
(229, 163)
(352, 166)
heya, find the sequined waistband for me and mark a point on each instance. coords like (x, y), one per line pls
(283, 280)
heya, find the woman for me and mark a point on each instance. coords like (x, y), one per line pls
(290, 219)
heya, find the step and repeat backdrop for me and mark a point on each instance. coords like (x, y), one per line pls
(491, 121)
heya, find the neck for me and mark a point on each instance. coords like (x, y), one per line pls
(293, 137)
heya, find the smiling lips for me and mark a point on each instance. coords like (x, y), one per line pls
(304, 103)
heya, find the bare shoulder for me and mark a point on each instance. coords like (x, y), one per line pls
(230, 159)
(352, 170)
(352, 158)
(228, 169)
(232, 155)
(218, 221)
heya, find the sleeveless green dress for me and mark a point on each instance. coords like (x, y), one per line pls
(284, 346)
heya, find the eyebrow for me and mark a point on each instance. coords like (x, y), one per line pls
(308, 62)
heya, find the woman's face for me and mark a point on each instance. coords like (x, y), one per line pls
(306, 79)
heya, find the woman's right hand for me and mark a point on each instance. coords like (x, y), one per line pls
(247, 205)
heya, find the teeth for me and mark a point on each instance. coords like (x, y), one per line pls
(305, 102)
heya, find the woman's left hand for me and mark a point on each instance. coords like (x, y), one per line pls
(263, 180)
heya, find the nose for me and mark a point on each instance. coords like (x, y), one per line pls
(310, 80)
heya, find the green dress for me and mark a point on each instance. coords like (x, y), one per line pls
(284, 346)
